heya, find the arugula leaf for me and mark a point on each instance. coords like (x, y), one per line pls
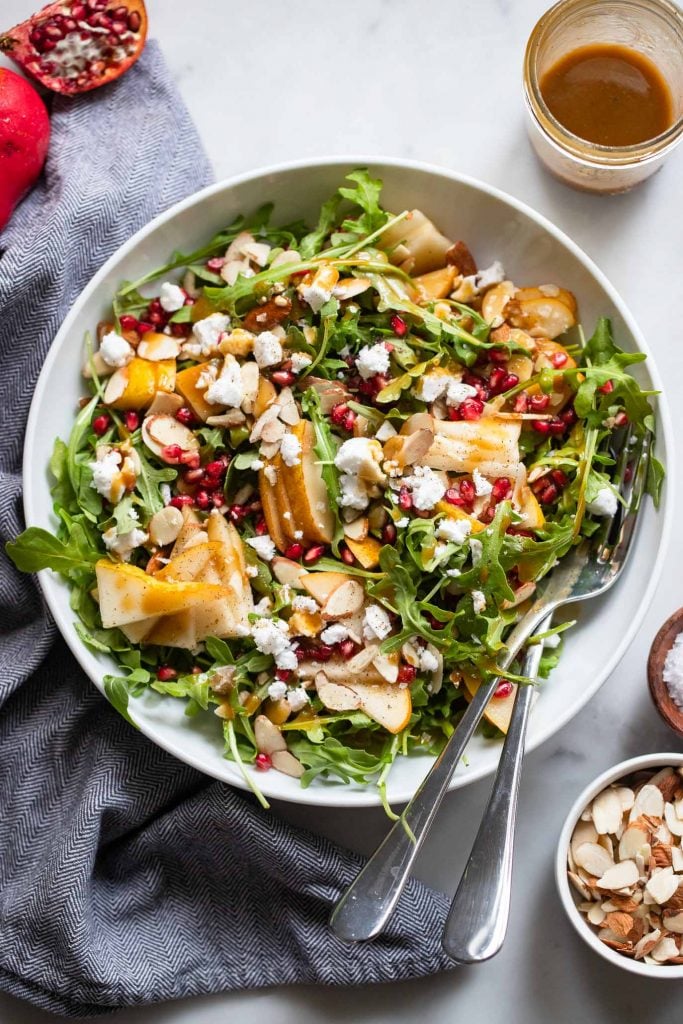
(655, 479)
(312, 243)
(118, 689)
(332, 757)
(147, 483)
(366, 195)
(600, 347)
(36, 549)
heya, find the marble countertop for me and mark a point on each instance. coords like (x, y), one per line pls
(442, 83)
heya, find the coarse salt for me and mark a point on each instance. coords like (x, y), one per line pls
(673, 671)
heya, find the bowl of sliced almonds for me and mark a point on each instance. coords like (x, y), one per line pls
(619, 865)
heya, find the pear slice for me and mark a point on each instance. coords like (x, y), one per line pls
(186, 385)
(320, 585)
(365, 551)
(287, 572)
(137, 631)
(387, 704)
(271, 511)
(191, 526)
(128, 594)
(175, 631)
(489, 445)
(306, 489)
(189, 565)
(499, 709)
(288, 519)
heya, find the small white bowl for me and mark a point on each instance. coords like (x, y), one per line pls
(570, 899)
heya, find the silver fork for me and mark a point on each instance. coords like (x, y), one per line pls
(587, 571)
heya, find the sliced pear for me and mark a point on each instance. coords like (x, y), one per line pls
(541, 317)
(416, 244)
(387, 704)
(336, 696)
(223, 532)
(499, 709)
(496, 299)
(330, 392)
(265, 396)
(128, 594)
(287, 572)
(453, 512)
(189, 565)
(305, 623)
(365, 551)
(489, 445)
(437, 284)
(137, 631)
(191, 526)
(549, 291)
(337, 671)
(306, 489)
(271, 512)
(177, 630)
(321, 585)
(285, 510)
(135, 385)
(186, 385)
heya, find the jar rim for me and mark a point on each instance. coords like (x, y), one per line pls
(594, 152)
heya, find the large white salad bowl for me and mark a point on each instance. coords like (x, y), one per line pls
(495, 226)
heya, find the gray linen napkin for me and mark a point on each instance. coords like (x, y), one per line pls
(125, 876)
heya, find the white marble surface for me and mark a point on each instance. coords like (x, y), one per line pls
(441, 82)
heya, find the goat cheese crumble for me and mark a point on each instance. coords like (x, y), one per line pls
(454, 530)
(300, 360)
(228, 389)
(171, 297)
(267, 349)
(334, 634)
(115, 350)
(263, 546)
(428, 661)
(297, 698)
(277, 690)
(427, 487)
(290, 449)
(301, 603)
(478, 601)
(124, 544)
(604, 503)
(372, 359)
(207, 334)
(376, 623)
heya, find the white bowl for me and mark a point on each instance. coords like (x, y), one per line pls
(570, 898)
(495, 226)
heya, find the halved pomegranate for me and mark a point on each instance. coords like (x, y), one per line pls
(77, 45)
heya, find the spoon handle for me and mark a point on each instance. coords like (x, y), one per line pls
(478, 919)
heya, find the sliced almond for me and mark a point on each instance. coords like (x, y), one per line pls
(344, 600)
(607, 812)
(593, 858)
(666, 949)
(160, 432)
(677, 858)
(165, 525)
(673, 822)
(647, 944)
(649, 800)
(249, 373)
(661, 885)
(159, 346)
(619, 922)
(674, 923)
(165, 402)
(579, 885)
(268, 737)
(285, 762)
(335, 696)
(627, 797)
(596, 915)
(387, 666)
(631, 842)
(116, 385)
(584, 832)
(619, 876)
(357, 529)
(287, 572)
(273, 431)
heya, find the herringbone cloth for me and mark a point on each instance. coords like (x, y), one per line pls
(125, 876)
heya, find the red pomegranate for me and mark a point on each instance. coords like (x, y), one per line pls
(76, 45)
(24, 138)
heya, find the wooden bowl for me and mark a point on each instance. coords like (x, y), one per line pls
(661, 645)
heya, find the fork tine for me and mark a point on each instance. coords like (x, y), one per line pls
(630, 481)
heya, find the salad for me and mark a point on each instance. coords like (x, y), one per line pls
(317, 475)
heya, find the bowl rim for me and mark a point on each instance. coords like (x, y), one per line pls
(613, 774)
(342, 796)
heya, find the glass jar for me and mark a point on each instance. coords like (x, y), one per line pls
(652, 27)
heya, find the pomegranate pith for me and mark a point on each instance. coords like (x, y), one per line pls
(72, 46)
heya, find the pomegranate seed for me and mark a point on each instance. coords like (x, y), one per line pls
(541, 426)
(215, 264)
(389, 534)
(237, 513)
(171, 452)
(283, 378)
(487, 515)
(398, 325)
(347, 648)
(504, 689)
(477, 382)
(521, 403)
(607, 388)
(180, 330)
(134, 21)
(467, 491)
(128, 323)
(501, 489)
(516, 532)
(314, 553)
(79, 11)
(621, 419)
(202, 500)
(217, 499)
(539, 403)
(471, 408)
(349, 420)
(322, 652)
(452, 496)
(101, 425)
(216, 468)
(165, 673)
(157, 319)
(549, 494)
(118, 27)
(406, 673)
(185, 416)
(560, 478)
(283, 674)
(365, 387)
(496, 379)
(339, 413)
(263, 762)
(144, 327)
(181, 500)
(499, 355)
(405, 499)
(569, 417)
(556, 427)
(559, 359)
(434, 622)
(379, 382)
(511, 380)
(347, 556)
(191, 459)
(193, 476)
(261, 528)
(132, 420)
(453, 413)
(294, 551)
